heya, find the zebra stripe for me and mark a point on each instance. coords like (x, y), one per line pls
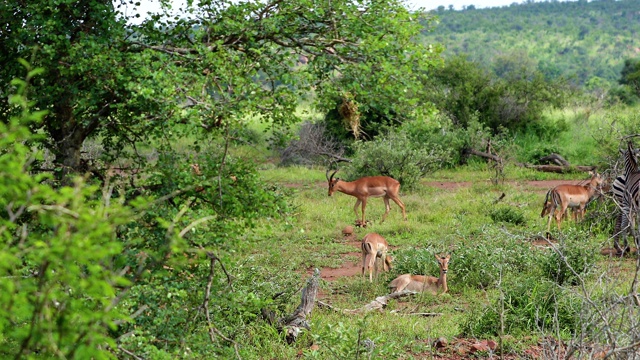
(631, 195)
(630, 163)
(617, 189)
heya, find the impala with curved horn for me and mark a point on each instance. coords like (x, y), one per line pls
(575, 196)
(371, 186)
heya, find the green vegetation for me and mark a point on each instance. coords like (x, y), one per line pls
(584, 41)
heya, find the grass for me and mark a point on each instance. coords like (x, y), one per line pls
(490, 244)
(491, 255)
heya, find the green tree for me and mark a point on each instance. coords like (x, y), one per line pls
(630, 75)
(58, 278)
(128, 84)
(513, 98)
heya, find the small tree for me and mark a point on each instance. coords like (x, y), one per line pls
(395, 155)
(630, 75)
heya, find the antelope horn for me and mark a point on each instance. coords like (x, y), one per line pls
(330, 177)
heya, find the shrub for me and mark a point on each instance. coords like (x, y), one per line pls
(395, 155)
(527, 305)
(314, 145)
(507, 214)
(480, 266)
(573, 259)
(438, 131)
(344, 342)
(416, 261)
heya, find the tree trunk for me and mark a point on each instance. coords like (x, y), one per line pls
(68, 136)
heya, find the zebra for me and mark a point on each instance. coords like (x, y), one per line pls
(631, 196)
(617, 189)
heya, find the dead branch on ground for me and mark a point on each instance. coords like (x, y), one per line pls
(296, 322)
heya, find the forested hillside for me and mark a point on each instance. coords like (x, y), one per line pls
(587, 42)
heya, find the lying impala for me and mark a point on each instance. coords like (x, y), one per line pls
(421, 283)
(373, 247)
(363, 188)
(574, 196)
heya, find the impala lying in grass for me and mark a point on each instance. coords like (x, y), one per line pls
(574, 196)
(420, 283)
(363, 188)
(373, 247)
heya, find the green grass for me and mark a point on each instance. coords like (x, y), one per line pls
(491, 255)
(490, 244)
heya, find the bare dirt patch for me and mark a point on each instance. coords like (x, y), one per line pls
(468, 348)
(348, 268)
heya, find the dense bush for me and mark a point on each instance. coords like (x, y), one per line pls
(416, 261)
(516, 98)
(482, 265)
(507, 214)
(395, 155)
(58, 278)
(525, 305)
(438, 131)
(572, 260)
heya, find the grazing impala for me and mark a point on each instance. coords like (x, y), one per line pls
(574, 196)
(552, 202)
(373, 247)
(363, 188)
(421, 283)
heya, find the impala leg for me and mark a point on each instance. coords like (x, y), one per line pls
(552, 212)
(375, 267)
(355, 208)
(560, 215)
(401, 204)
(387, 207)
(372, 264)
(580, 215)
(364, 206)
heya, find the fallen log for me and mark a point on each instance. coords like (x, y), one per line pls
(560, 169)
(379, 303)
(295, 323)
(482, 154)
(555, 159)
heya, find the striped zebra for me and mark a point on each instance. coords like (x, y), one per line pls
(617, 189)
(630, 196)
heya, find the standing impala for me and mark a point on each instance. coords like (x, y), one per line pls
(373, 247)
(574, 196)
(421, 283)
(363, 188)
